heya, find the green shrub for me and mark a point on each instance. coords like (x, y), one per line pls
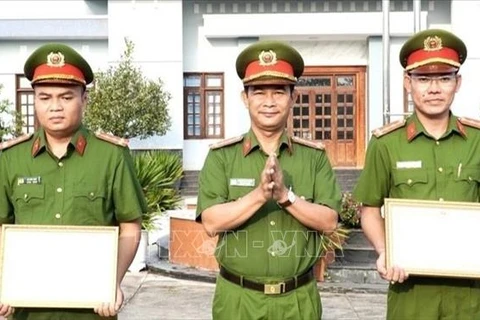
(349, 212)
(159, 173)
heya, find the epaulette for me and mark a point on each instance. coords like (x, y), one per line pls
(470, 122)
(226, 142)
(309, 143)
(112, 139)
(12, 142)
(392, 126)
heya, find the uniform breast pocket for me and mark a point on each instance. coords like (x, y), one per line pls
(466, 183)
(408, 181)
(29, 198)
(89, 200)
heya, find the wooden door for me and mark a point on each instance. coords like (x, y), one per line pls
(330, 108)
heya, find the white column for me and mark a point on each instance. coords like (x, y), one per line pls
(465, 24)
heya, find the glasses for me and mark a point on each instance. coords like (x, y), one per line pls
(447, 80)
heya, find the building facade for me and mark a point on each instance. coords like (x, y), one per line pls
(192, 46)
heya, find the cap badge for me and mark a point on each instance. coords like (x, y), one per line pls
(267, 58)
(55, 59)
(432, 43)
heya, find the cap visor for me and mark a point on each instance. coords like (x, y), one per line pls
(269, 81)
(434, 68)
(58, 81)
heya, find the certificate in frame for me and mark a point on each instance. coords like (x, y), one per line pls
(433, 238)
(58, 266)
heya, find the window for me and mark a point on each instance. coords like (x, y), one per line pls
(24, 105)
(407, 103)
(203, 105)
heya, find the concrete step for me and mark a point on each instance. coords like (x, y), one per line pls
(347, 179)
(356, 250)
(360, 273)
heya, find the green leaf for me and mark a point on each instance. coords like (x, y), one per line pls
(11, 122)
(125, 103)
(159, 173)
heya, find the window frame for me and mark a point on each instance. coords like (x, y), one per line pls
(203, 91)
(19, 91)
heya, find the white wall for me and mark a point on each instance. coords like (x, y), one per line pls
(396, 80)
(155, 27)
(39, 9)
(332, 53)
(374, 111)
(212, 43)
(217, 55)
(320, 25)
(465, 24)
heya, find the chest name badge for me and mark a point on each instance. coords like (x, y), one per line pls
(409, 164)
(29, 180)
(242, 182)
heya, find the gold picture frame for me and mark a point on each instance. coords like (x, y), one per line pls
(433, 238)
(58, 266)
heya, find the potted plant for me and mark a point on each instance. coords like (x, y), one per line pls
(159, 173)
(348, 232)
(330, 243)
(350, 218)
(349, 212)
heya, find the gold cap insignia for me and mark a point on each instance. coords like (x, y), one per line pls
(432, 43)
(267, 58)
(55, 59)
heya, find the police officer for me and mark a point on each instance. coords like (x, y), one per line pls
(66, 175)
(269, 196)
(432, 155)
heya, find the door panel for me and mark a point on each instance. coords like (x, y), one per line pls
(330, 109)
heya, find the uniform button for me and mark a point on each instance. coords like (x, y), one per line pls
(437, 142)
(272, 223)
(25, 196)
(441, 199)
(469, 178)
(59, 190)
(91, 194)
(60, 164)
(273, 254)
(409, 181)
(440, 169)
(302, 197)
(58, 215)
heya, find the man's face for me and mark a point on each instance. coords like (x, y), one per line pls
(59, 109)
(432, 94)
(269, 106)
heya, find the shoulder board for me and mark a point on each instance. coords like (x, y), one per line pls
(309, 143)
(12, 142)
(470, 122)
(112, 139)
(226, 142)
(392, 126)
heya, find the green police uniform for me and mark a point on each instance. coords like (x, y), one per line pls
(408, 163)
(93, 184)
(404, 161)
(271, 245)
(81, 188)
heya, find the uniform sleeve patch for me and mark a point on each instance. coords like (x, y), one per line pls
(226, 142)
(389, 128)
(470, 122)
(112, 139)
(309, 143)
(12, 142)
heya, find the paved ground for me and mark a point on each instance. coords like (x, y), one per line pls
(151, 296)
